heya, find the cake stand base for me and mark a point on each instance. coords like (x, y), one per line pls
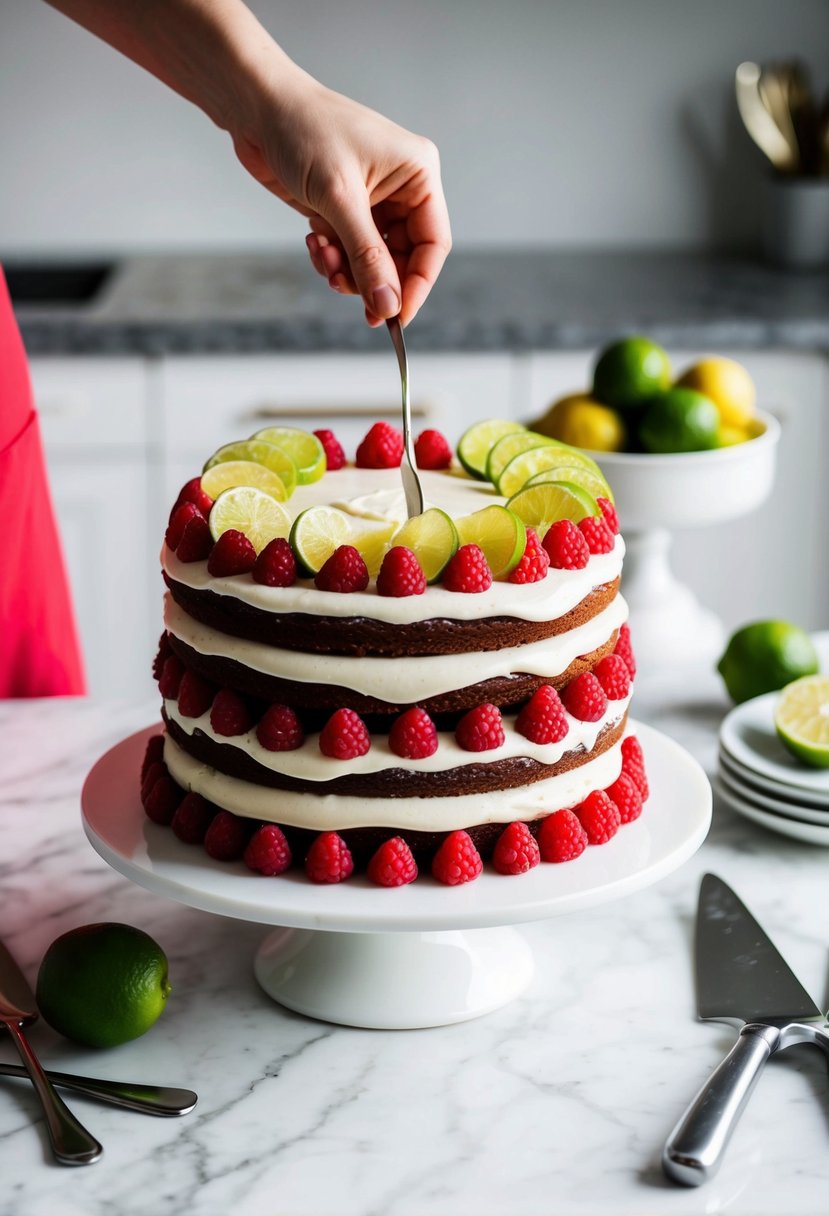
(394, 981)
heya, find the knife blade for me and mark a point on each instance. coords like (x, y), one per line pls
(741, 979)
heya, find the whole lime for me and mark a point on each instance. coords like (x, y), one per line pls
(765, 656)
(629, 371)
(679, 420)
(101, 985)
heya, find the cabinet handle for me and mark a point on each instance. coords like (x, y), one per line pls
(277, 413)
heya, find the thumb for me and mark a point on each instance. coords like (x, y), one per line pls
(369, 260)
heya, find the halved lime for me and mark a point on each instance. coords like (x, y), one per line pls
(537, 460)
(474, 444)
(499, 533)
(251, 511)
(510, 445)
(316, 533)
(579, 476)
(432, 537)
(801, 717)
(260, 452)
(232, 473)
(540, 506)
(304, 449)
(373, 544)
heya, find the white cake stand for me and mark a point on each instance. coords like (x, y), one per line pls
(422, 955)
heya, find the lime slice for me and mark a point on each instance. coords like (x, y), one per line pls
(373, 545)
(260, 452)
(802, 720)
(510, 445)
(232, 473)
(304, 449)
(432, 537)
(499, 532)
(316, 533)
(579, 476)
(537, 460)
(252, 511)
(541, 506)
(474, 444)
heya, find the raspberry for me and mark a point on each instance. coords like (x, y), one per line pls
(162, 800)
(393, 865)
(382, 448)
(633, 763)
(542, 720)
(561, 837)
(566, 547)
(432, 451)
(614, 677)
(171, 676)
(457, 860)
(267, 851)
(226, 837)
(516, 850)
(344, 571)
(481, 729)
(534, 562)
(154, 754)
(625, 793)
(148, 779)
(624, 650)
(413, 735)
(279, 729)
(400, 574)
(610, 514)
(192, 492)
(599, 816)
(329, 859)
(164, 652)
(334, 454)
(344, 736)
(181, 516)
(195, 695)
(597, 534)
(196, 541)
(467, 571)
(229, 714)
(584, 698)
(276, 565)
(192, 819)
(232, 554)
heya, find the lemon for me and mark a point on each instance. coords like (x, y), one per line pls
(551, 423)
(679, 420)
(537, 460)
(474, 443)
(499, 533)
(594, 483)
(252, 511)
(730, 436)
(801, 718)
(765, 656)
(103, 984)
(260, 452)
(727, 383)
(540, 506)
(432, 537)
(304, 449)
(509, 445)
(316, 533)
(587, 424)
(629, 371)
(242, 473)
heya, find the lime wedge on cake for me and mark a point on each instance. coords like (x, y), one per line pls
(510, 445)
(499, 533)
(316, 533)
(304, 449)
(537, 460)
(232, 473)
(260, 452)
(801, 718)
(246, 509)
(542, 505)
(432, 537)
(578, 475)
(475, 443)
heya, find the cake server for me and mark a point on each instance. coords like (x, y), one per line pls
(412, 488)
(741, 979)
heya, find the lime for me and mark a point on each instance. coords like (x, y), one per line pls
(801, 717)
(252, 511)
(232, 473)
(432, 537)
(509, 445)
(630, 370)
(373, 544)
(765, 656)
(537, 460)
(304, 449)
(103, 984)
(727, 383)
(542, 505)
(260, 452)
(499, 533)
(679, 420)
(594, 483)
(474, 444)
(316, 533)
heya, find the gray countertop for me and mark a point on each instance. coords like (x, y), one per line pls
(499, 300)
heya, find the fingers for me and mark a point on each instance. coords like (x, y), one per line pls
(369, 262)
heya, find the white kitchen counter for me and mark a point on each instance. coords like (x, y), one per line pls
(559, 1102)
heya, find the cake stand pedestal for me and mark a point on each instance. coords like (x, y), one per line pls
(409, 957)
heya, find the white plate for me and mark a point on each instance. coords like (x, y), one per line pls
(788, 810)
(773, 789)
(806, 832)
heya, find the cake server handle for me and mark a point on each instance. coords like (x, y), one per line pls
(148, 1099)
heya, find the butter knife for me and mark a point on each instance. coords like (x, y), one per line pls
(162, 1100)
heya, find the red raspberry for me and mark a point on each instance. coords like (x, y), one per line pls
(561, 837)
(566, 547)
(181, 516)
(229, 714)
(162, 800)
(195, 695)
(597, 534)
(226, 837)
(516, 850)
(400, 574)
(344, 571)
(232, 554)
(633, 763)
(534, 563)
(196, 541)
(584, 698)
(467, 571)
(543, 720)
(191, 491)
(279, 729)
(413, 735)
(382, 448)
(432, 451)
(344, 736)
(625, 793)
(329, 859)
(624, 650)
(154, 754)
(267, 851)
(171, 676)
(599, 816)
(457, 860)
(193, 818)
(611, 516)
(148, 779)
(164, 652)
(481, 729)
(393, 865)
(276, 565)
(614, 677)
(334, 454)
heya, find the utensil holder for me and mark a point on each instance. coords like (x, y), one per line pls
(796, 222)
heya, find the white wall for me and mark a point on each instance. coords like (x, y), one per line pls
(577, 122)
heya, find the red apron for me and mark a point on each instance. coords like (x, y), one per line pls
(39, 651)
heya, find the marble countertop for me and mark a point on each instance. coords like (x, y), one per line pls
(495, 300)
(559, 1102)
